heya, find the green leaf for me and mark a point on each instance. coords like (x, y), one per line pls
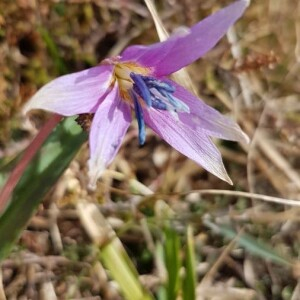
(123, 271)
(40, 176)
(172, 261)
(112, 252)
(255, 247)
(160, 261)
(189, 281)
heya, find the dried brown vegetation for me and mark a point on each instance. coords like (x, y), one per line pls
(253, 74)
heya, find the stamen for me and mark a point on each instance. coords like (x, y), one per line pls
(157, 93)
(158, 84)
(140, 119)
(176, 103)
(158, 104)
(141, 88)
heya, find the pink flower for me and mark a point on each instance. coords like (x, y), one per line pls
(136, 82)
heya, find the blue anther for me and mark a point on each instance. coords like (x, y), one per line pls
(140, 119)
(172, 101)
(141, 88)
(158, 104)
(166, 87)
(158, 84)
(157, 93)
(176, 103)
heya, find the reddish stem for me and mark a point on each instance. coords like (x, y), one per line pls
(31, 150)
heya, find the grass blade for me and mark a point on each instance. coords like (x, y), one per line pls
(112, 252)
(172, 261)
(257, 248)
(189, 281)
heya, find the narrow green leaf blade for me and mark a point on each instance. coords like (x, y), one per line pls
(46, 167)
(257, 248)
(112, 253)
(172, 261)
(160, 261)
(189, 281)
(123, 271)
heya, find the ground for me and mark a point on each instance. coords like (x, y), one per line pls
(245, 248)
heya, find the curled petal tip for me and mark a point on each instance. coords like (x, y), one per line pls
(228, 180)
(96, 170)
(222, 174)
(108, 129)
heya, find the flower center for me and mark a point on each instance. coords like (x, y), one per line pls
(125, 82)
(141, 91)
(136, 84)
(153, 93)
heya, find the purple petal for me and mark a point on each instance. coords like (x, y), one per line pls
(195, 145)
(181, 50)
(204, 118)
(73, 94)
(109, 127)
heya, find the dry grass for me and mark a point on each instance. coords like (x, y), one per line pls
(253, 74)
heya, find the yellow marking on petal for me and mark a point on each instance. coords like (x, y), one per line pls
(122, 74)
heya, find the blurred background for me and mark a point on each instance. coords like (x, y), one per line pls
(182, 241)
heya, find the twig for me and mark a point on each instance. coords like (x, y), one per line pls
(54, 230)
(208, 278)
(277, 159)
(265, 198)
(146, 192)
